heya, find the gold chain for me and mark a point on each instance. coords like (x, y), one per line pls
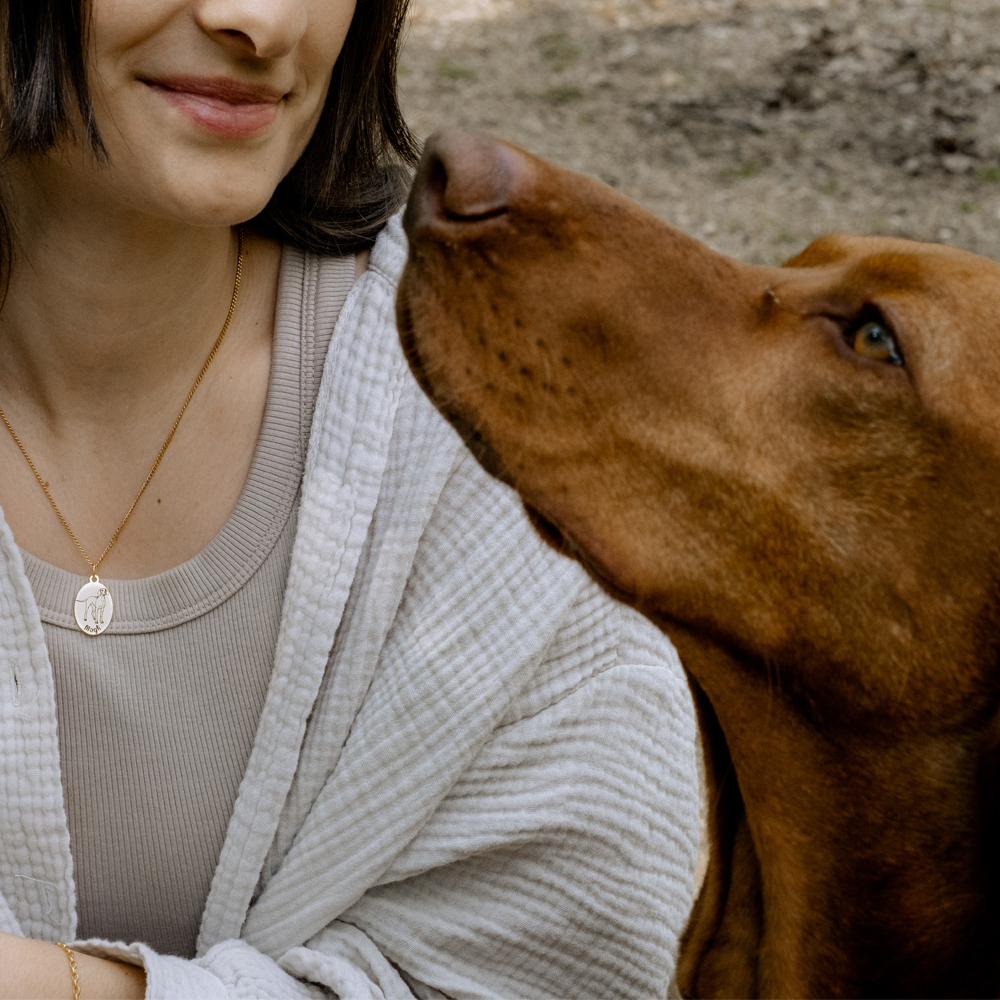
(166, 444)
(73, 974)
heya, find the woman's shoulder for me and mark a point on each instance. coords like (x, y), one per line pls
(389, 252)
(386, 258)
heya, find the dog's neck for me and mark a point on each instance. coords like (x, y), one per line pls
(880, 883)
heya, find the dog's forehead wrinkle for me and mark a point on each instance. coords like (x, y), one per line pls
(893, 272)
(847, 285)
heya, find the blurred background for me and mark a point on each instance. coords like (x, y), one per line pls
(755, 125)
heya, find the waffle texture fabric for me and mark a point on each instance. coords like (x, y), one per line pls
(474, 773)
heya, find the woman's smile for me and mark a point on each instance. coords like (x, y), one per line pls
(204, 106)
(221, 105)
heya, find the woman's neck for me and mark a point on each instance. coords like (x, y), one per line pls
(106, 308)
(108, 317)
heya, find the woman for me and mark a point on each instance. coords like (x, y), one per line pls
(331, 719)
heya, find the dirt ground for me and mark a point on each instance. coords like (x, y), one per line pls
(755, 125)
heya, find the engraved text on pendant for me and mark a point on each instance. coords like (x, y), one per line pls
(94, 607)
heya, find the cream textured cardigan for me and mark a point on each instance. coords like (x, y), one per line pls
(474, 773)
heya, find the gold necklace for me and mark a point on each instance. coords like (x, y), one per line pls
(94, 606)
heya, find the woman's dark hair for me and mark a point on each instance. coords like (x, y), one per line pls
(352, 176)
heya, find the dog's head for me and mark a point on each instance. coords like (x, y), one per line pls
(796, 472)
(790, 460)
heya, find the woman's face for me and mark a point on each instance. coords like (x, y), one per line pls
(204, 105)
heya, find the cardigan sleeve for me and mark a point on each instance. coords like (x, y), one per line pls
(561, 864)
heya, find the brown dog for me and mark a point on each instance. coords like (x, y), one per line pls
(796, 473)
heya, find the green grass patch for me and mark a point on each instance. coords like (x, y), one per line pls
(554, 95)
(451, 71)
(558, 51)
(991, 175)
(742, 172)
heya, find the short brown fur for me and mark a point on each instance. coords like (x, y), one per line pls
(817, 532)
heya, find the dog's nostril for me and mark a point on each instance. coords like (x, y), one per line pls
(467, 174)
(437, 176)
(435, 179)
(457, 202)
(478, 216)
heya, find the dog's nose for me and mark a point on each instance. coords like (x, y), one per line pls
(464, 176)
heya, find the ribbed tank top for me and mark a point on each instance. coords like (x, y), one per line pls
(157, 716)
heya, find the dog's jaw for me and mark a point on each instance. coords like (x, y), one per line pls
(469, 425)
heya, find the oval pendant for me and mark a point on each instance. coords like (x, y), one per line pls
(94, 607)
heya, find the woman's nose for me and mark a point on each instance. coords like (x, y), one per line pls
(267, 29)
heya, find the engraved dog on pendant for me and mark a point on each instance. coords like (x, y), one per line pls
(96, 605)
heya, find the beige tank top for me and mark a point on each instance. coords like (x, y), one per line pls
(157, 716)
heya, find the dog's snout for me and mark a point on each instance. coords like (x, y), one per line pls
(470, 171)
(464, 176)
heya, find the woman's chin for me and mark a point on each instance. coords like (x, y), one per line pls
(171, 176)
(209, 199)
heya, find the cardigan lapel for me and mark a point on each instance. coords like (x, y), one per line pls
(348, 448)
(423, 454)
(36, 869)
(464, 643)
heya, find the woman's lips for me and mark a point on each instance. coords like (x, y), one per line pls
(220, 105)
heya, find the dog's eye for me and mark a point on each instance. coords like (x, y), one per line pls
(873, 340)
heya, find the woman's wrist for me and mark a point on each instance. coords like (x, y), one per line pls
(38, 969)
(74, 974)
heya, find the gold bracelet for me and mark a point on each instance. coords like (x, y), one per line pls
(72, 968)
